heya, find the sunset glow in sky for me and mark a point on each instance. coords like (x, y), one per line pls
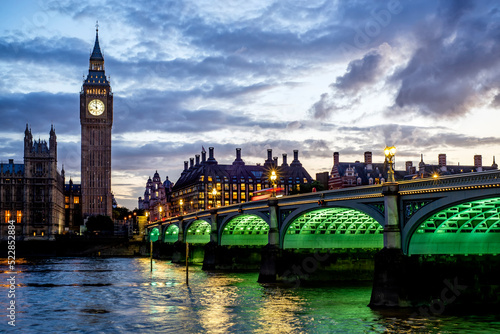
(314, 75)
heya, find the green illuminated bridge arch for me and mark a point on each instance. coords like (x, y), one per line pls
(154, 234)
(245, 229)
(333, 228)
(171, 234)
(467, 228)
(198, 232)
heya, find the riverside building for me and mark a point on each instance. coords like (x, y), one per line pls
(32, 193)
(233, 183)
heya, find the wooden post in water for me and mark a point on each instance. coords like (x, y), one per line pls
(187, 256)
(151, 255)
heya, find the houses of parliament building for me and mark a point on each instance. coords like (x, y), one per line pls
(33, 195)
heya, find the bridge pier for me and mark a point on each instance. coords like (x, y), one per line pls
(270, 252)
(211, 248)
(390, 263)
(179, 247)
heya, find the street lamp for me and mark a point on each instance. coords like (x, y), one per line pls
(390, 152)
(161, 210)
(214, 196)
(181, 202)
(273, 181)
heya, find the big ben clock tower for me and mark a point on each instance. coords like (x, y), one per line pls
(96, 118)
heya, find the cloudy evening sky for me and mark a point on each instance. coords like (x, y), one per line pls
(314, 75)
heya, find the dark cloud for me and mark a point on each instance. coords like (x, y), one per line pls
(40, 110)
(324, 107)
(60, 51)
(496, 101)
(455, 65)
(360, 72)
(411, 140)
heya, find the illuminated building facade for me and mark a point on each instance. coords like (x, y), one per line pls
(234, 183)
(442, 168)
(352, 174)
(32, 193)
(156, 197)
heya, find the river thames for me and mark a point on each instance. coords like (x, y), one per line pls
(122, 295)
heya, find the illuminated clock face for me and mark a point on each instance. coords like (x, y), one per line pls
(96, 107)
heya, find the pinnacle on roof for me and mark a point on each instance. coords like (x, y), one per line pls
(96, 53)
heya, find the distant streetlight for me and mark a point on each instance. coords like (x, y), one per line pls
(161, 210)
(390, 152)
(181, 202)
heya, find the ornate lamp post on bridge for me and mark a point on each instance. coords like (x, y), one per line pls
(273, 181)
(390, 152)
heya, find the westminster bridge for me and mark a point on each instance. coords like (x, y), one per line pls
(415, 236)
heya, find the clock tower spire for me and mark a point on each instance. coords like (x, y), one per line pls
(96, 119)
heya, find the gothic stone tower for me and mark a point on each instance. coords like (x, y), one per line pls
(96, 118)
(43, 205)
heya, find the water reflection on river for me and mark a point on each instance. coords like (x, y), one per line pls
(121, 295)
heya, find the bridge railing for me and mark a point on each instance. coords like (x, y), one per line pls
(452, 181)
(333, 195)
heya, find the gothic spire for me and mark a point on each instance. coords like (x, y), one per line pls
(96, 53)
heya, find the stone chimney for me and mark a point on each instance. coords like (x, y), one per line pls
(275, 159)
(203, 156)
(478, 162)
(269, 161)
(442, 162)
(191, 162)
(238, 160)
(197, 159)
(284, 160)
(368, 160)
(336, 158)
(408, 166)
(211, 158)
(185, 165)
(296, 161)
